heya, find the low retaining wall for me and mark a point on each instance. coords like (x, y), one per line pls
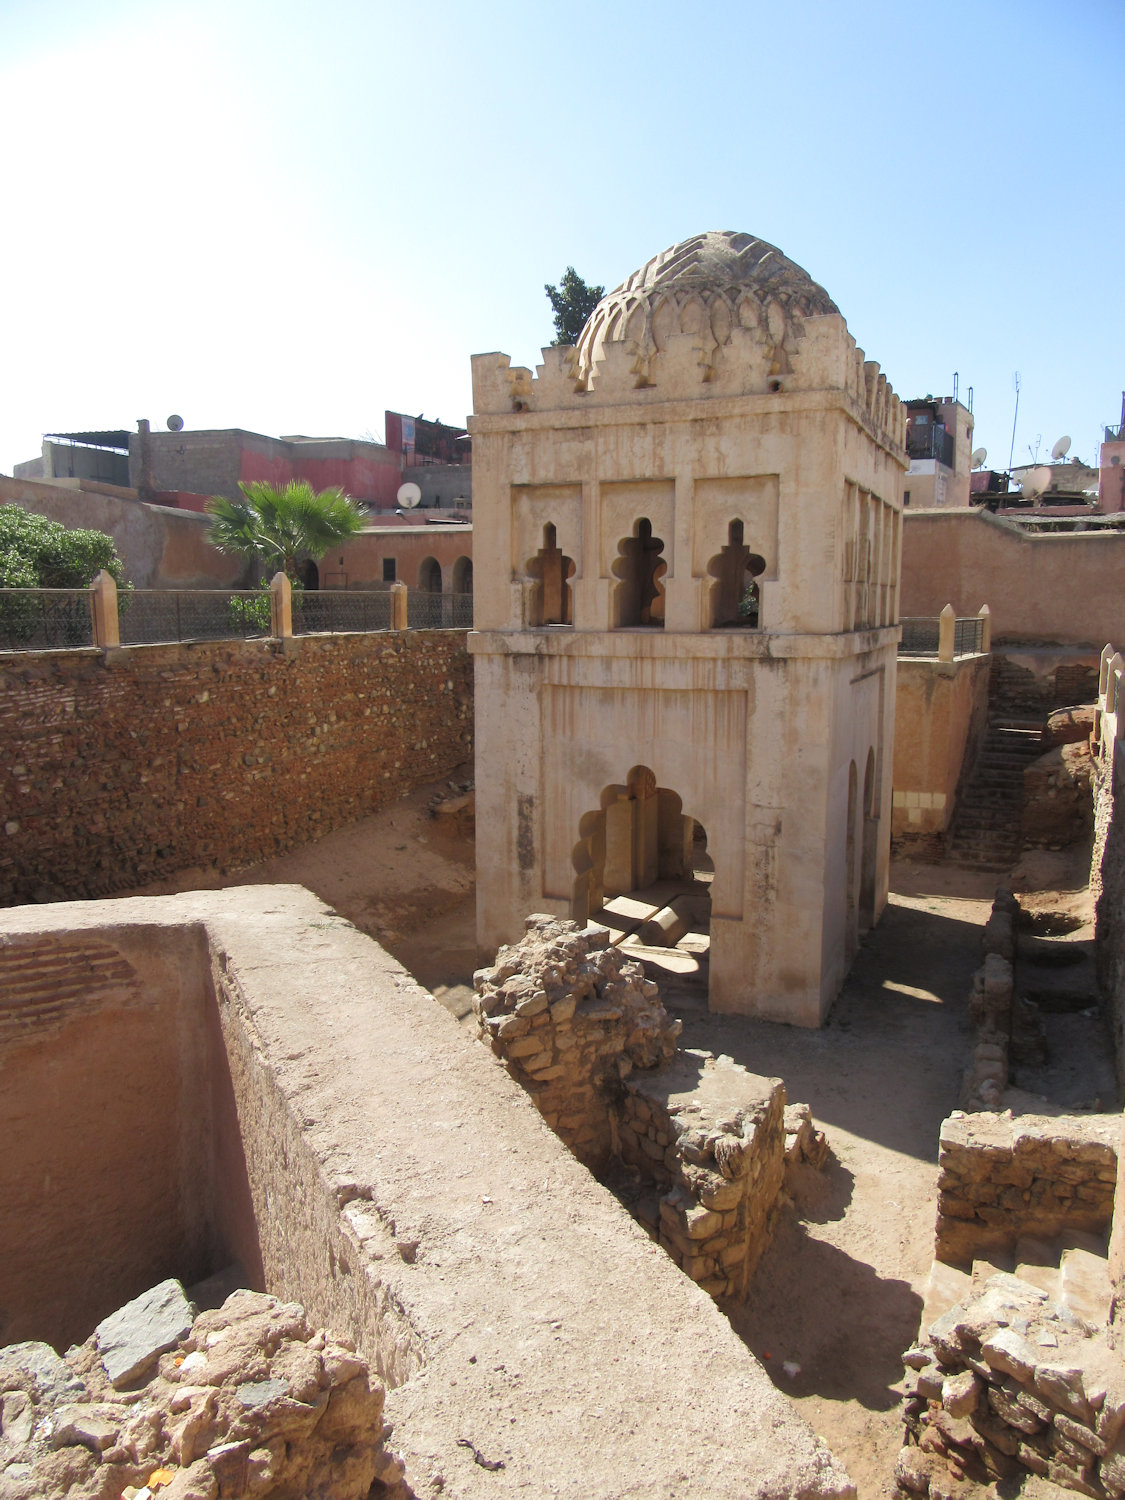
(1003, 1178)
(213, 755)
(406, 1192)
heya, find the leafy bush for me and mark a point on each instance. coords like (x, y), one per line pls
(39, 554)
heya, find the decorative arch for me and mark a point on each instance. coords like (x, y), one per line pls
(735, 595)
(429, 575)
(552, 599)
(463, 576)
(870, 847)
(639, 568)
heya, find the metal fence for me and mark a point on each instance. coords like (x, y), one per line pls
(341, 611)
(922, 636)
(147, 617)
(45, 619)
(425, 611)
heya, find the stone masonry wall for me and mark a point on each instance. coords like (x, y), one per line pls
(571, 1017)
(1002, 1178)
(125, 766)
(580, 1028)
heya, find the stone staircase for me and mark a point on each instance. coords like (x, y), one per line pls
(986, 825)
(1073, 1270)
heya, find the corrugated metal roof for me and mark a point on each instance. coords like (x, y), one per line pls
(117, 440)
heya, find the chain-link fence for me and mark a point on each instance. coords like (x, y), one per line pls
(426, 611)
(341, 611)
(45, 619)
(147, 617)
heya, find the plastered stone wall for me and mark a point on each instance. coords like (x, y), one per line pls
(124, 766)
(406, 1192)
(941, 714)
(1002, 1178)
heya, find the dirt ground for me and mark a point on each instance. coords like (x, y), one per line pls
(838, 1295)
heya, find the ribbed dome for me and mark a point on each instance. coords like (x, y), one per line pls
(707, 285)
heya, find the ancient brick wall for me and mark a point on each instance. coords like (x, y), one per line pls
(1107, 885)
(123, 767)
(1002, 1178)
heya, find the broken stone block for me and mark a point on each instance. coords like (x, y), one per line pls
(131, 1339)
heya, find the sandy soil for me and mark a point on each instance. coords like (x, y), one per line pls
(838, 1296)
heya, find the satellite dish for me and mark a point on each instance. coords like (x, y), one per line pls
(1035, 481)
(1061, 449)
(978, 457)
(175, 423)
(409, 495)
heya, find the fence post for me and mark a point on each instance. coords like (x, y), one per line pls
(947, 631)
(986, 628)
(399, 597)
(103, 607)
(281, 606)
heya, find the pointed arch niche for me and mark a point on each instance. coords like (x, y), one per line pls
(639, 840)
(735, 594)
(639, 568)
(552, 599)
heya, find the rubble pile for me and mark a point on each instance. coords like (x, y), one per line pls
(1004, 1177)
(1009, 1381)
(702, 1143)
(571, 1017)
(246, 1400)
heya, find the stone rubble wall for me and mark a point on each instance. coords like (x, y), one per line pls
(1107, 886)
(1003, 1178)
(571, 1017)
(1009, 1381)
(723, 1180)
(990, 1008)
(214, 754)
(580, 1028)
(248, 1400)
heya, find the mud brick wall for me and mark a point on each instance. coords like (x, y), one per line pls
(126, 766)
(1107, 884)
(1002, 1178)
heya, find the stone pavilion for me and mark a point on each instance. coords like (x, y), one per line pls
(688, 529)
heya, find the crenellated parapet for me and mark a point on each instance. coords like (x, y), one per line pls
(720, 316)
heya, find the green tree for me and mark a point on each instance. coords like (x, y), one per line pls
(280, 526)
(39, 554)
(572, 302)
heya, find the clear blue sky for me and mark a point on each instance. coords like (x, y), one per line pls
(289, 217)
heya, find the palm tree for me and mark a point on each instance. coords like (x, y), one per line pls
(280, 525)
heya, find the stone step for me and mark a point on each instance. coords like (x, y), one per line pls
(1046, 1278)
(984, 1268)
(1085, 1286)
(945, 1286)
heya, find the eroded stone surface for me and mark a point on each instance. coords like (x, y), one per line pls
(248, 1400)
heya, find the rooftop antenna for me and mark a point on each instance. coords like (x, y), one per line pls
(977, 458)
(1061, 449)
(408, 495)
(1015, 414)
(1035, 481)
(175, 423)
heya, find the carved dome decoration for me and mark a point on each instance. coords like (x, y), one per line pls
(713, 286)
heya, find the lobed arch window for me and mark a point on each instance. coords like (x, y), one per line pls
(639, 568)
(735, 593)
(552, 599)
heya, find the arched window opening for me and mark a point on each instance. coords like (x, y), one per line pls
(851, 928)
(870, 848)
(463, 576)
(735, 595)
(429, 576)
(640, 569)
(551, 597)
(641, 868)
(309, 575)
